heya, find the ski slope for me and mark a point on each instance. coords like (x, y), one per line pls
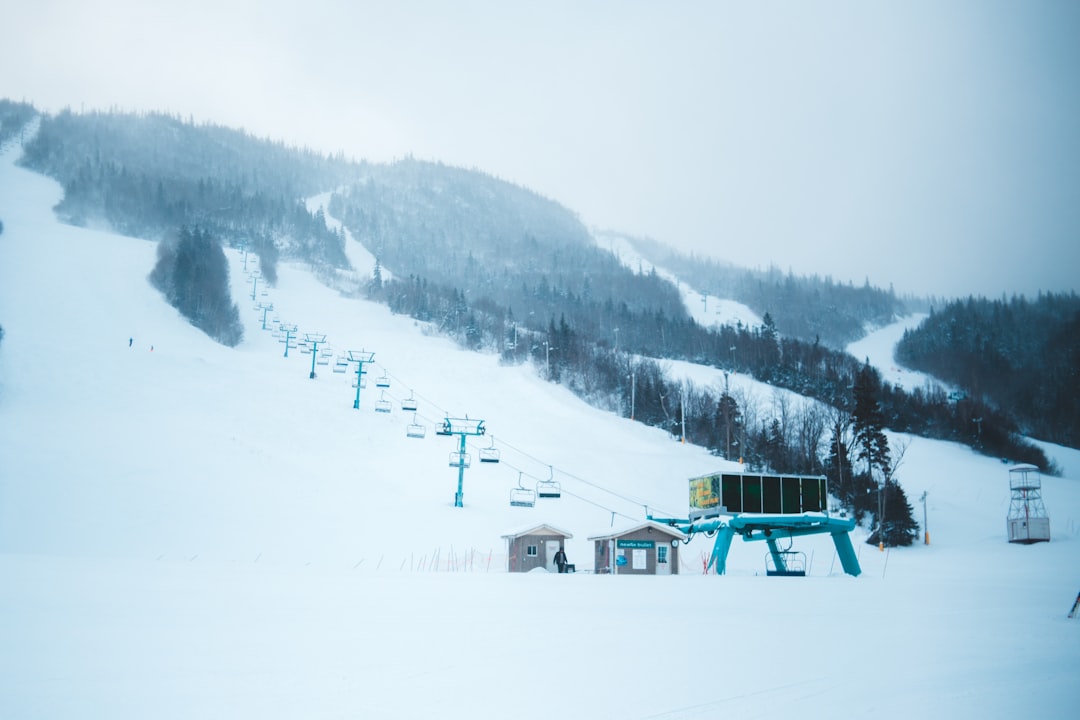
(188, 530)
(707, 310)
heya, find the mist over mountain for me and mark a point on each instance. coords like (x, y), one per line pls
(810, 308)
(493, 265)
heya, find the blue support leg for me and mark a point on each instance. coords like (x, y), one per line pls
(848, 559)
(718, 559)
(461, 474)
(777, 558)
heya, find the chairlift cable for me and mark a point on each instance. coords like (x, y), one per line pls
(551, 468)
(522, 473)
(596, 504)
(631, 500)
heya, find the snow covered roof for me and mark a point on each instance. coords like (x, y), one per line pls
(647, 524)
(537, 530)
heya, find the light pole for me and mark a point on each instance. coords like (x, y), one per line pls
(727, 416)
(926, 528)
(881, 510)
(682, 407)
(547, 357)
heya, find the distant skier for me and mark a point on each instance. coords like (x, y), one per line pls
(130, 341)
(560, 560)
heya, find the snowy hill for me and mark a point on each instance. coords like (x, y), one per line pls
(706, 310)
(877, 347)
(188, 530)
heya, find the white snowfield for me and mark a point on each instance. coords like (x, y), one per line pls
(193, 531)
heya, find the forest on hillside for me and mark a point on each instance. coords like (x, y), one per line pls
(1017, 354)
(495, 266)
(149, 175)
(14, 117)
(501, 249)
(810, 308)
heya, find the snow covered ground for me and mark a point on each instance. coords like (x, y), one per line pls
(188, 530)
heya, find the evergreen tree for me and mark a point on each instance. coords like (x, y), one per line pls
(898, 526)
(867, 421)
(871, 444)
(728, 423)
(193, 274)
(376, 284)
(776, 451)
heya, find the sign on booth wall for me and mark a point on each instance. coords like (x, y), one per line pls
(639, 561)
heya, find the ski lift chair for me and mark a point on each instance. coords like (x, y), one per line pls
(415, 429)
(460, 459)
(409, 404)
(549, 488)
(784, 562)
(382, 404)
(522, 496)
(791, 564)
(489, 454)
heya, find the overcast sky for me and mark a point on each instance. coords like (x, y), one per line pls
(931, 145)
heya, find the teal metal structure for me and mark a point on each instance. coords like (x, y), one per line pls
(265, 308)
(314, 339)
(770, 528)
(290, 333)
(462, 427)
(359, 357)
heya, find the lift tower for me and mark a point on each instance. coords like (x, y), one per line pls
(462, 427)
(1028, 522)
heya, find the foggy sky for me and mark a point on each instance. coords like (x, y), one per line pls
(934, 146)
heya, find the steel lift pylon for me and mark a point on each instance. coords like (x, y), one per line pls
(770, 528)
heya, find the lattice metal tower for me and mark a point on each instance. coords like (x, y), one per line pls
(1027, 522)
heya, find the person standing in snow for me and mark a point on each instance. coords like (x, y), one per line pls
(560, 560)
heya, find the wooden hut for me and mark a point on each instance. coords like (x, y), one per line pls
(646, 549)
(534, 547)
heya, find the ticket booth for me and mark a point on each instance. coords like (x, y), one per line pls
(646, 549)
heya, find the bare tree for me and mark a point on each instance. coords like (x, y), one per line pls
(811, 422)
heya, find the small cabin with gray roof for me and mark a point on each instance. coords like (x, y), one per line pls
(646, 549)
(534, 547)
